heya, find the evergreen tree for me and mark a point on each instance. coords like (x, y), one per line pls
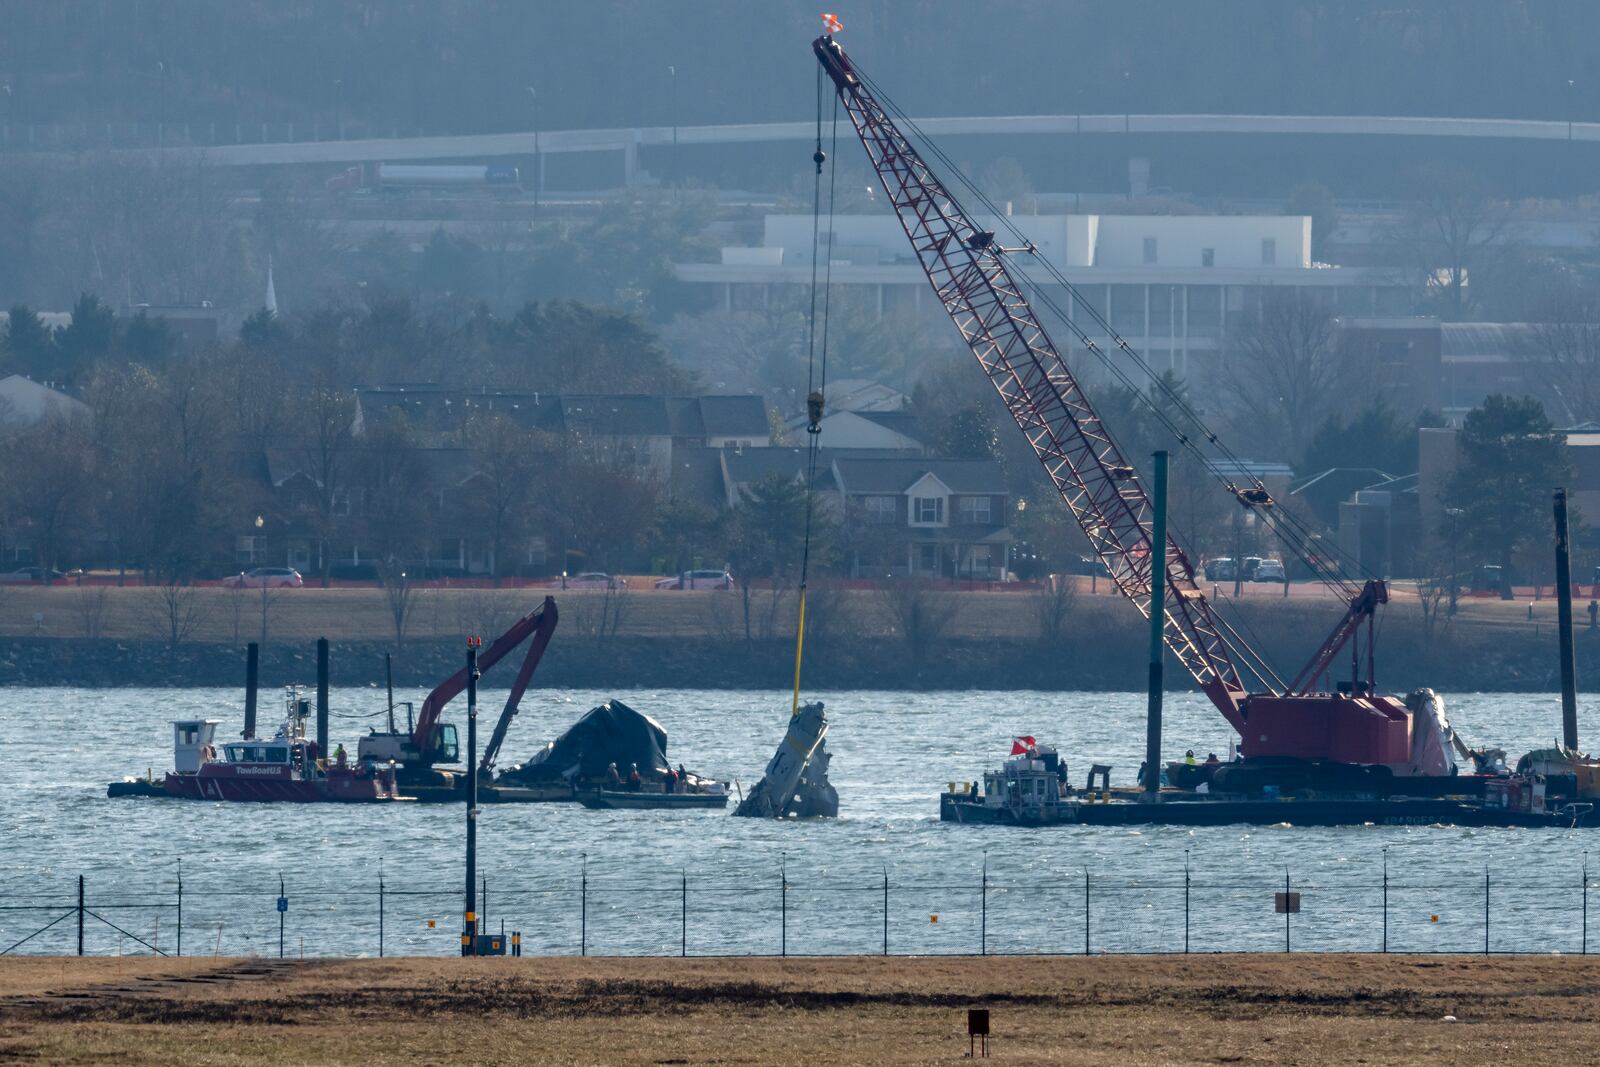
(1508, 458)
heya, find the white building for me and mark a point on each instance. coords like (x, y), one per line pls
(1172, 285)
(25, 402)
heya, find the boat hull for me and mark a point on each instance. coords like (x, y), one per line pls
(275, 788)
(961, 808)
(612, 800)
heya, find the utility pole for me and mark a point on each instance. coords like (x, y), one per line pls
(469, 927)
(538, 158)
(1569, 680)
(1158, 625)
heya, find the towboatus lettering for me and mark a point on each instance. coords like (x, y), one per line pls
(270, 772)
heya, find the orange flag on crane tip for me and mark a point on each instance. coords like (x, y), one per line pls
(831, 23)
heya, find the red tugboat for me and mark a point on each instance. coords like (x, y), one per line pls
(286, 767)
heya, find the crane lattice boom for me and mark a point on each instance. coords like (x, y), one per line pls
(968, 271)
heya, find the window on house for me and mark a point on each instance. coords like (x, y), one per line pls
(1149, 249)
(1269, 251)
(975, 510)
(928, 559)
(929, 510)
(341, 502)
(1208, 257)
(880, 510)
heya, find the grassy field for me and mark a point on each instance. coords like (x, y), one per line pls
(1308, 1010)
(217, 615)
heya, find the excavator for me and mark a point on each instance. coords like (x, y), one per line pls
(427, 742)
(1307, 728)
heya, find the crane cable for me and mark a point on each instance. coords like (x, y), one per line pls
(816, 384)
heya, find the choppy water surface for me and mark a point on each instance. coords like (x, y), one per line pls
(663, 882)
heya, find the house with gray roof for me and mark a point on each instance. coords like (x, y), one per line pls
(911, 515)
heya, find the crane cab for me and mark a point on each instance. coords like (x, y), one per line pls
(193, 744)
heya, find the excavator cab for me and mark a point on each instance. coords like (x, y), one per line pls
(449, 748)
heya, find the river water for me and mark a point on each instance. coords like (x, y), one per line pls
(665, 882)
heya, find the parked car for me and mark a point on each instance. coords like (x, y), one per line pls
(1270, 570)
(23, 575)
(595, 580)
(697, 580)
(1219, 569)
(265, 578)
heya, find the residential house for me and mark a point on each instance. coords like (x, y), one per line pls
(911, 515)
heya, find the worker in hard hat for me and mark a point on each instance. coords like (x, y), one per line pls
(1188, 757)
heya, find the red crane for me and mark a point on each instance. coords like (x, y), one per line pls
(429, 741)
(969, 273)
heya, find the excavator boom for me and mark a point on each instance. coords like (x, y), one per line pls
(539, 623)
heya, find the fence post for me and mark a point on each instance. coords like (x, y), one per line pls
(1185, 902)
(583, 908)
(1486, 909)
(1585, 951)
(180, 906)
(683, 932)
(80, 914)
(380, 907)
(783, 905)
(281, 912)
(885, 911)
(983, 908)
(1286, 909)
(1386, 898)
(1086, 911)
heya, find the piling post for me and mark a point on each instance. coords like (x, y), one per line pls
(252, 678)
(80, 914)
(1158, 620)
(1585, 950)
(1386, 898)
(1569, 683)
(469, 924)
(281, 914)
(583, 907)
(886, 910)
(783, 906)
(380, 907)
(683, 921)
(1185, 902)
(322, 697)
(180, 906)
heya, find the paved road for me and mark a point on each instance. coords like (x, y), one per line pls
(490, 145)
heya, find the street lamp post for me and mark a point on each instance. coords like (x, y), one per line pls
(672, 102)
(161, 114)
(538, 159)
(1455, 579)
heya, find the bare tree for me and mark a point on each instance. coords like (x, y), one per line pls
(399, 594)
(327, 443)
(1052, 607)
(1286, 369)
(90, 603)
(1449, 230)
(175, 611)
(499, 495)
(920, 615)
(1563, 349)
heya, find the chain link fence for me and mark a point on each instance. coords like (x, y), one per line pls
(695, 913)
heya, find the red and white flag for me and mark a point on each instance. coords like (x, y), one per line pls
(1021, 746)
(831, 23)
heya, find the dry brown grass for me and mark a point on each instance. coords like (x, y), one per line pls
(1200, 1009)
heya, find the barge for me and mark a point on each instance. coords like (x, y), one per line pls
(1030, 789)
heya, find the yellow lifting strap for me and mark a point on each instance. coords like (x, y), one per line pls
(799, 644)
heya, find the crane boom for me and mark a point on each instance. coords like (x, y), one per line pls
(968, 272)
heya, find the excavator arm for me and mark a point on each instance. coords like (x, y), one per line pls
(539, 624)
(968, 272)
